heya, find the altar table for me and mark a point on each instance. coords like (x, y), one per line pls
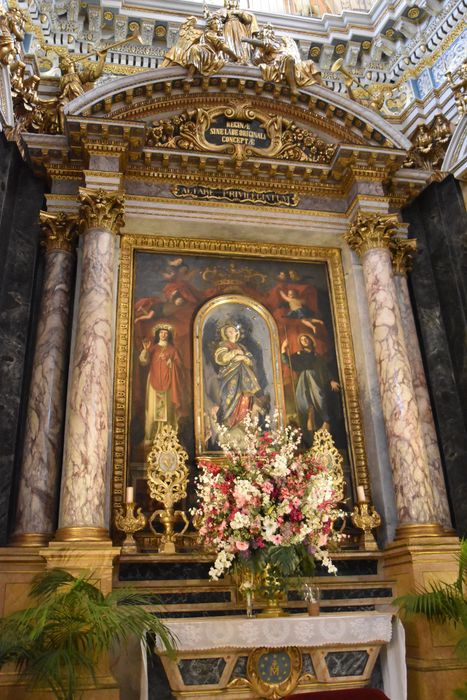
(244, 658)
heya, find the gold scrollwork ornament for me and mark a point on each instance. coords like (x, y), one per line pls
(167, 481)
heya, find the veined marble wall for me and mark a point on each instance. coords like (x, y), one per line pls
(438, 220)
(21, 196)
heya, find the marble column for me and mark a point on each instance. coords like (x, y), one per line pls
(402, 254)
(40, 469)
(86, 452)
(370, 236)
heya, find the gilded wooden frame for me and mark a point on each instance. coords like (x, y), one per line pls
(131, 243)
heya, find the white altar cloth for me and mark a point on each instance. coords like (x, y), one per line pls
(202, 634)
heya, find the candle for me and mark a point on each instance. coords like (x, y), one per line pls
(129, 494)
(361, 494)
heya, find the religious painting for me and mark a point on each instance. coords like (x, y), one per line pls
(211, 331)
(236, 366)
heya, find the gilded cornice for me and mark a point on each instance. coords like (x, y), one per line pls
(59, 231)
(403, 251)
(371, 231)
(101, 209)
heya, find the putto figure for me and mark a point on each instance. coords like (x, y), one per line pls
(279, 60)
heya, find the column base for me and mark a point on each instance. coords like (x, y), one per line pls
(80, 533)
(31, 539)
(410, 531)
(421, 554)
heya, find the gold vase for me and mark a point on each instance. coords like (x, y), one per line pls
(272, 591)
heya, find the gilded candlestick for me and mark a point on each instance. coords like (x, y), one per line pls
(129, 523)
(366, 518)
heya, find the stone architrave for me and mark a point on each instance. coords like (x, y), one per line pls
(83, 493)
(370, 236)
(40, 468)
(402, 259)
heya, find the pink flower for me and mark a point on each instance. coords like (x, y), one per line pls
(241, 546)
(276, 539)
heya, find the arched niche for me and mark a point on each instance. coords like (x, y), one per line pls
(237, 368)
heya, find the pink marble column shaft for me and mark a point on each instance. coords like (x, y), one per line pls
(412, 479)
(87, 428)
(423, 402)
(86, 453)
(40, 470)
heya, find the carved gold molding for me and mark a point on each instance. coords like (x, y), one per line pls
(371, 231)
(101, 209)
(240, 130)
(59, 231)
(403, 251)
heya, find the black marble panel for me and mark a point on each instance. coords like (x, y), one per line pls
(239, 670)
(181, 598)
(376, 680)
(164, 571)
(346, 663)
(351, 567)
(438, 285)
(201, 671)
(346, 593)
(332, 609)
(307, 665)
(21, 198)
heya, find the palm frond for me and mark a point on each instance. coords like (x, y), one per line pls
(58, 641)
(462, 559)
(461, 693)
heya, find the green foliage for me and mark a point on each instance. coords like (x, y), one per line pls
(443, 603)
(461, 692)
(57, 642)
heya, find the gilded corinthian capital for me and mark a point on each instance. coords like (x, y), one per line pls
(403, 251)
(58, 231)
(101, 209)
(371, 231)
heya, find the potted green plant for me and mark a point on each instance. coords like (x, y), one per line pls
(444, 603)
(56, 643)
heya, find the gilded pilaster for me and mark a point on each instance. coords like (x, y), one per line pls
(82, 503)
(371, 237)
(403, 251)
(40, 469)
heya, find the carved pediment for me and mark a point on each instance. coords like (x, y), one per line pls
(240, 131)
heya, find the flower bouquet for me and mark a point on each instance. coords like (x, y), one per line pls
(266, 507)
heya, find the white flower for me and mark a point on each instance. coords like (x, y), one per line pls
(280, 468)
(239, 520)
(269, 527)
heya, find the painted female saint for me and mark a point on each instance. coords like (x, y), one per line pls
(165, 382)
(238, 384)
